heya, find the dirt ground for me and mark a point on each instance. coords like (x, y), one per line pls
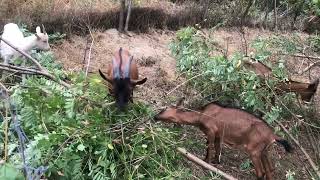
(152, 53)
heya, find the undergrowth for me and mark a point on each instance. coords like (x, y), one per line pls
(227, 80)
(78, 134)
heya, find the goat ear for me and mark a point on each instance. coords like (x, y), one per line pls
(38, 30)
(180, 101)
(105, 77)
(139, 82)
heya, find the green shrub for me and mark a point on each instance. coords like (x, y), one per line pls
(227, 80)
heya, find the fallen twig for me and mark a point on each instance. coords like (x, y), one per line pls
(22, 70)
(309, 67)
(204, 164)
(178, 86)
(301, 56)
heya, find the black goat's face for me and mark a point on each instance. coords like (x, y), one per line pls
(123, 90)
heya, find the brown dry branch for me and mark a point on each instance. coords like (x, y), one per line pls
(200, 162)
(42, 71)
(309, 67)
(22, 70)
(300, 56)
(16, 71)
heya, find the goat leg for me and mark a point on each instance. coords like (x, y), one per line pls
(209, 148)
(256, 160)
(267, 165)
(217, 147)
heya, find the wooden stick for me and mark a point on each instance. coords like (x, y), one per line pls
(309, 67)
(16, 71)
(301, 56)
(313, 165)
(21, 70)
(204, 164)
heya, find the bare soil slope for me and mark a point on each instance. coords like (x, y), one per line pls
(153, 55)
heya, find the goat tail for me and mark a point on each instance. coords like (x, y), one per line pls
(285, 144)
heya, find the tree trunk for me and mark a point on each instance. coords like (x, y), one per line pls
(245, 13)
(128, 15)
(121, 17)
(205, 6)
(275, 16)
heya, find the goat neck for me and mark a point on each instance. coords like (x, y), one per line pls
(29, 43)
(188, 117)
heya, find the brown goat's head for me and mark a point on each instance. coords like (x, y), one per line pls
(122, 84)
(169, 114)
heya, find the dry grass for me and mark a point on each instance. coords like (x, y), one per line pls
(71, 16)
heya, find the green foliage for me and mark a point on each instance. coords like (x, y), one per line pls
(78, 136)
(90, 131)
(9, 172)
(246, 165)
(290, 175)
(227, 80)
(314, 42)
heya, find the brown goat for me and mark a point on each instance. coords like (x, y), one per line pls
(305, 90)
(122, 74)
(233, 127)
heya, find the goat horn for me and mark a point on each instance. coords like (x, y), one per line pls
(44, 29)
(127, 69)
(116, 72)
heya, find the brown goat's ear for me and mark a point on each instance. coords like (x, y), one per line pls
(105, 77)
(139, 82)
(180, 101)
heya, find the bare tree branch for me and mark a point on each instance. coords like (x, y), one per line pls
(21, 70)
(200, 162)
